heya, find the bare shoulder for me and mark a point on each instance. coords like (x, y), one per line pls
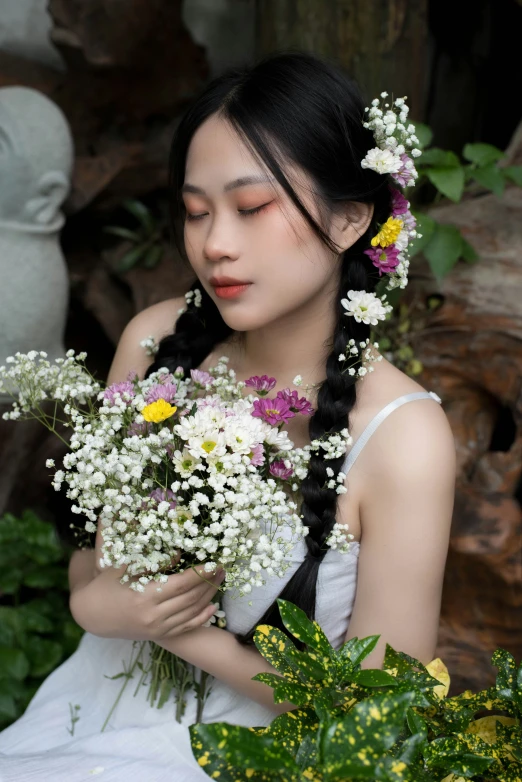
(155, 321)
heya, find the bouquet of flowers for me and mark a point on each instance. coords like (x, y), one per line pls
(175, 465)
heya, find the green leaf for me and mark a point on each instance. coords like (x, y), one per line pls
(32, 620)
(482, 154)
(273, 644)
(308, 666)
(444, 249)
(491, 177)
(13, 663)
(425, 227)
(296, 693)
(514, 173)
(131, 258)
(140, 212)
(441, 158)
(153, 257)
(123, 233)
(423, 133)
(450, 181)
(415, 723)
(302, 628)
(8, 710)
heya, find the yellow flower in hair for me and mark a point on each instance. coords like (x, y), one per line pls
(388, 233)
(158, 411)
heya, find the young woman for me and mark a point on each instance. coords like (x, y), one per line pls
(268, 186)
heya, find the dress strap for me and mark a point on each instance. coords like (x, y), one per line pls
(378, 419)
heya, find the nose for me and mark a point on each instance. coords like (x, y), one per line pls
(221, 240)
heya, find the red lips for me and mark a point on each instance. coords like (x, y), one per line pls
(222, 282)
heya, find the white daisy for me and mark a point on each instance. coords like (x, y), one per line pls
(366, 307)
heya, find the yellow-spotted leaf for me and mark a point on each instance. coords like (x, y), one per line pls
(302, 628)
(357, 744)
(240, 748)
(451, 753)
(438, 670)
(486, 727)
(272, 643)
(309, 667)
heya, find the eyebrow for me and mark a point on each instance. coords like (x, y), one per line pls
(240, 182)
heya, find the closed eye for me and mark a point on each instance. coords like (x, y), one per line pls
(242, 212)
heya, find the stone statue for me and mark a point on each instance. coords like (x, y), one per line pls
(36, 160)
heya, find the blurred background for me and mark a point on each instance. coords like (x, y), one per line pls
(115, 76)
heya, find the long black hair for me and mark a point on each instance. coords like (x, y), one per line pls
(292, 106)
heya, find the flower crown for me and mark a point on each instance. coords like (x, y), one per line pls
(389, 247)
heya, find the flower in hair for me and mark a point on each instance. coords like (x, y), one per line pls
(388, 233)
(366, 307)
(386, 259)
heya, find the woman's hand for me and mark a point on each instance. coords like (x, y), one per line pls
(109, 609)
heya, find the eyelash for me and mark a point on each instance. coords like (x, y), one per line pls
(242, 212)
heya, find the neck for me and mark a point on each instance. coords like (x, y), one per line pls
(296, 344)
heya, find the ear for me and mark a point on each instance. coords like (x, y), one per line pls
(351, 223)
(51, 191)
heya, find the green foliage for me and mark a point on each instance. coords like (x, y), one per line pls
(146, 248)
(392, 724)
(37, 631)
(443, 245)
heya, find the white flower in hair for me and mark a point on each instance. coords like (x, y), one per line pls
(366, 307)
(382, 160)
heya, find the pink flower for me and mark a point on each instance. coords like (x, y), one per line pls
(160, 495)
(278, 470)
(139, 429)
(297, 404)
(203, 378)
(258, 455)
(406, 172)
(119, 388)
(409, 221)
(273, 411)
(166, 391)
(262, 384)
(399, 202)
(385, 258)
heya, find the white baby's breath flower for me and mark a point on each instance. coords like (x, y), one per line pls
(382, 160)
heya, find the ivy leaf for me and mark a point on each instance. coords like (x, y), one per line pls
(441, 158)
(425, 226)
(482, 154)
(444, 249)
(491, 177)
(514, 173)
(130, 259)
(13, 664)
(423, 132)
(140, 212)
(450, 181)
(123, 233)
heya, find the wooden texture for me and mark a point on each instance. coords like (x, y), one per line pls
(382, 43)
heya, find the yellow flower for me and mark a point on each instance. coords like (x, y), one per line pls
(388, 233)
(158, 411)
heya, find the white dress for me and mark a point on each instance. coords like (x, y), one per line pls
(143, 743)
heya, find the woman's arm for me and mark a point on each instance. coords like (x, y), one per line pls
(219, 653)
(409, 468)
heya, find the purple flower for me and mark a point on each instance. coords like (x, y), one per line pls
(262, 384)
(273, 411)
(258, 455)
(296, 403)
(409, 221)
(278, 470)
(166, 391)
(385, 258)
(399, 202)
(111, 392)
(203, 378)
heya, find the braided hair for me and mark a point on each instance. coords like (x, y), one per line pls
(297, 106)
